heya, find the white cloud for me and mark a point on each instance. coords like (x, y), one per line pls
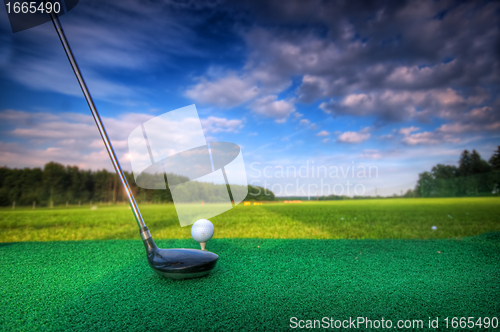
(269, 106)
(447, 97)
(427, 138)
(284, 54)
(226, 92)
(408, 131)
(23, 118)
(25, 155)
(444, 134)
(313, 87)
(323, 133)
(451, 132)
(67, 138)
(358, 100)
(371, 154)
(354, 137)
(325, 140)
(304, 122)
(216, 125)
(415, 76)
(397, 105)
(268, 81)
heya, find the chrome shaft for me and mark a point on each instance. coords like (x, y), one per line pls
(98, 121)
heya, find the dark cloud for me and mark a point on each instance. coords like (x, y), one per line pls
(396, 106)
(394, 61)
(404, 57)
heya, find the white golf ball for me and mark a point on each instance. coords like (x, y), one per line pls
(434, 227)
(202, 230)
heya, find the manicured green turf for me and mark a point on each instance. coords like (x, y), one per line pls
(258, 284)
(360, 219)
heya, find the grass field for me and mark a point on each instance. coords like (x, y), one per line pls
(352, 219)
(333, 263)
(257, 285)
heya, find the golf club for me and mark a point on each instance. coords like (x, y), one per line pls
(171, 263)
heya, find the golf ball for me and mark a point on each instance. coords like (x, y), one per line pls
(202, 230)
(434, 227)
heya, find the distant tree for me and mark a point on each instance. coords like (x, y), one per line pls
(55, 182)
(445, 172)
(74, 189)
(473, 177)
(103, 182)
(425, 185)
(260, 194)
(495, 166)
(478, 164)
(30, 182)
(332, 198)
(445, 184)
(86, 186)
(409, 194)
(476, 181)
(4, 190)
(495, 160)
(465, 164)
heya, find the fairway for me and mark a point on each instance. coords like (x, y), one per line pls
(337, 260)
(350, 219)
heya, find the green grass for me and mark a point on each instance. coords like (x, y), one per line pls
(257, 285)
(260, 280)
(361, 219)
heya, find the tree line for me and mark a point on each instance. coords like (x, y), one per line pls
(474, 176)
(55, 184)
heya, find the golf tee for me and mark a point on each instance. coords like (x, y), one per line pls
(202, 244)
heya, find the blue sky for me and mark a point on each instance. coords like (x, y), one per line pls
(392, 86)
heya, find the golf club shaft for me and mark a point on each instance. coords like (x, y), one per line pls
(98, 122)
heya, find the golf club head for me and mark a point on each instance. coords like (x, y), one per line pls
(178, 263)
